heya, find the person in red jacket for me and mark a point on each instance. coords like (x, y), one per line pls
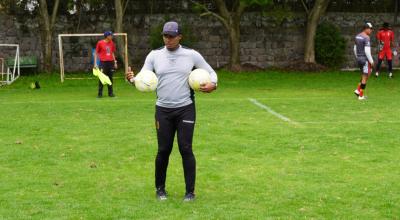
(385, 37)
(105, 50)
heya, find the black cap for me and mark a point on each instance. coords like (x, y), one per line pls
(385, 25)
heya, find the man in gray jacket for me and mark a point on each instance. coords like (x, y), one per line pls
(175, 107)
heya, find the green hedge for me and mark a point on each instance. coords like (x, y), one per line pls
(330, 45)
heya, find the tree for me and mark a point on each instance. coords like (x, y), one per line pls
(120, 9)
(230, 19)
(47, 22)
(396, 11)
(39, 9)
(313, 17)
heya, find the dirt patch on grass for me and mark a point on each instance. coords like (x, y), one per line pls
(305, 67)
(246, 67)
(296, 66)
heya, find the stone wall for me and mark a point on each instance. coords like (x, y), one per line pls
(264, 42)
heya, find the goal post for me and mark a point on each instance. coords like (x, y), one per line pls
(13, 69)
(61, 55)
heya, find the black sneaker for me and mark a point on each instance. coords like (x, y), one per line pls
(111, 95)
(189, 197)
(99, 96)
(161, 194)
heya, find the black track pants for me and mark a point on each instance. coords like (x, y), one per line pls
(168, 122)
(107, 68)
(389, 62)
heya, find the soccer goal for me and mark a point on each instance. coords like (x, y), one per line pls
(9, 67)
(61, 51)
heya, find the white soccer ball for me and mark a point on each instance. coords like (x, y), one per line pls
(146, 81)
(198, 77)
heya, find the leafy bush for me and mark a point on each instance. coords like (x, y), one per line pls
(156, 40)
(330, 45)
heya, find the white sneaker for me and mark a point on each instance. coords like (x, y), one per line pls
(390, 75)
(376, 74)
(356, 92)
(362, 97)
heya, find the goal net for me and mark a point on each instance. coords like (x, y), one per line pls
(78, 52)
(9, 63)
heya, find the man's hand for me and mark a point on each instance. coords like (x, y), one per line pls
(115, 65)
(130, 76)
(372, 65)
(209, 87)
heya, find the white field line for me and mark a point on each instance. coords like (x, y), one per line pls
(268, 109)
(350, 122)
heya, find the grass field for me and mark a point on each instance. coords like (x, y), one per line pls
(64, 154)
